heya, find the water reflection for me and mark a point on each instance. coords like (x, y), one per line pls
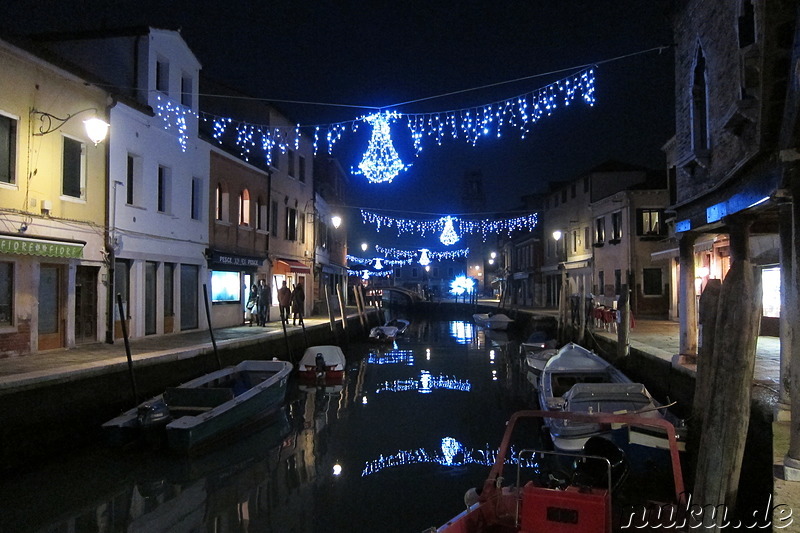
(310, 469)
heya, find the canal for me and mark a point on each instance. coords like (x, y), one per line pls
(394, 448)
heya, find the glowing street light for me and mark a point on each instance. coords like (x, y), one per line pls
(336, 220)
(364, 246)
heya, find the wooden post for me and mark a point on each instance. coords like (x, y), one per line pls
(624, 325)
(792, 459)
(788, 307)
(722, 443)
(582, 312)
(331, 319)
(687, 308)
(360, 305)
(124, 323)
(210, 329)
(342, 307)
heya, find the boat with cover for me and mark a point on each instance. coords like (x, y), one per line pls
(497, 321)
(559, 492)
(205, 409)
(398, 323)
(322, 364)
(383, 333)
(579, 381)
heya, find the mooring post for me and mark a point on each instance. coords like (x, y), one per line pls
(124, 322)
(210, 329)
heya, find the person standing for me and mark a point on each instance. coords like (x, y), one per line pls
(298, 303)
(264, 302)
(284, 301)
(252, 300)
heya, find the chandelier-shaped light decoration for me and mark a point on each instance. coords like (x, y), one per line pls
(378, 265)
(449, 236)
(380, 162)
(423, 257)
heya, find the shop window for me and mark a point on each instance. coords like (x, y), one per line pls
(6, 293)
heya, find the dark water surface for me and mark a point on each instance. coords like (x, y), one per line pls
(395, 448)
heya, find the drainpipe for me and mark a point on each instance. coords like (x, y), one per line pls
(110, 227)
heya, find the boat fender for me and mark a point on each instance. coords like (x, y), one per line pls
(471, 497)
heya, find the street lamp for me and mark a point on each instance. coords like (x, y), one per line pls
(96, 129)
(364, 246)
(336, 220)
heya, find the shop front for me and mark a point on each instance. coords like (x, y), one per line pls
(231, 278)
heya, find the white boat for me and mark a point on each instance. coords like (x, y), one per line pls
(398, 323)
(497, 321)
(537, 350)
(577, 380)
(204, 409)
(383, 333)
(322, 364)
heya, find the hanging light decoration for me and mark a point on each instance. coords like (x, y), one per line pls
(378, 265)
(381, 162)
(465, 226)
(423, 257)
(449, 235)
(410, 255)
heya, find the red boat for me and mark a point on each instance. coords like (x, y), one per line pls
(322, 364)
(559, 502)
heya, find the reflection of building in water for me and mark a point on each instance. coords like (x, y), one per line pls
(425, 384)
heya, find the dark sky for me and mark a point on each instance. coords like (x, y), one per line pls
(379, 53)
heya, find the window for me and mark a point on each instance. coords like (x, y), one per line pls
(617, 282)
(291, 164)
(574, 241)
(323, 236)
(301, 163)
(291, 224)
(197, 199)
(699, 109)
(564, 196)
(186, 90)
(651, 281)
(261, 214)
(133, 178)
(601, 283)
(747, 24)
(8, 150)
(219, 203)
(6, 293)
(573, 191)
(586, 239)
(649, 222)
(275, 157)
(274, 218)
(586, 184)
(162, 76)
(244, 208)
(301, 227)
(599, 231)
(73, 168)
(616, 227)
(164, 189)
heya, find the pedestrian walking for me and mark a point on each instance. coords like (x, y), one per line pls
(284, 301)
(252, 300)
(264, 302)
(298, 304)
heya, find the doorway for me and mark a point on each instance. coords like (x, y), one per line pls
(85, 305)
(51, 329)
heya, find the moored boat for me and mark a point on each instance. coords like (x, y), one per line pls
(497, 321)
(204, 409)
(553, 491)
(383, 334)
(579, 381)
(322, 364)
(537, 350)
(398, 323)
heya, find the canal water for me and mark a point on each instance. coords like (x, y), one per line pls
(394, 448)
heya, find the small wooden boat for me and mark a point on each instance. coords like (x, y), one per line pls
(204, 409)
(579, 381)
(544, 497)
(537, 350)
(322, 364)
(398, 323)
(497, 321)
(383, 334)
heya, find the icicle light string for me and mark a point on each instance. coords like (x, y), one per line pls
(442, 225)
(394, 253)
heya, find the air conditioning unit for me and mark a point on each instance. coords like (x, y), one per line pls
(47, 206)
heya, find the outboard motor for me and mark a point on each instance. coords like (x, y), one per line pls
(153, 417)
(593, 472)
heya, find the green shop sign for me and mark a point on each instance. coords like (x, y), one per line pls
(18, 245)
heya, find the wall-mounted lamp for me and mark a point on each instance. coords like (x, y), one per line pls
(336, 220)
(557, 235)
(96, 129)
(364, 246)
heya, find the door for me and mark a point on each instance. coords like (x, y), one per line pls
(51, 328)
(85, 305)
(150, 297)
(189, 300)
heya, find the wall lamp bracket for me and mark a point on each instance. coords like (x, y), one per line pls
(96, 128)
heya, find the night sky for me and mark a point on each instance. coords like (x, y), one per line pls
(380, 53)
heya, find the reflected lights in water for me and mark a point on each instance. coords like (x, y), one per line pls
(425, 384)
(392, 357)
(462, 332)
(452, 453)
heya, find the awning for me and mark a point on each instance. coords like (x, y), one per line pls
(295, 266)
(43, 247)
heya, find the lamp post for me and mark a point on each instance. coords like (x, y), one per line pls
(562, 293)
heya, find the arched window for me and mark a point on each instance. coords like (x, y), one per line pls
(244, 208)
(700, 137)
